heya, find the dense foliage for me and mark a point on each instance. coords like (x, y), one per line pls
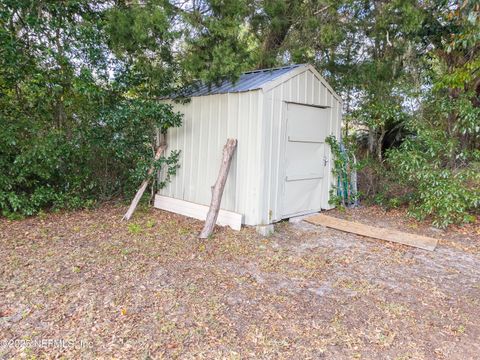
(440, 162)
(79, 83)
(73, 131)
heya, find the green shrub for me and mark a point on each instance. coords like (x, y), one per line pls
(99, 157)
(445, 194)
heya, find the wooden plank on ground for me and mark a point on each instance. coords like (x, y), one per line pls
(419, 241)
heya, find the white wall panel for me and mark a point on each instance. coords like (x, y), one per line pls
(208, 122)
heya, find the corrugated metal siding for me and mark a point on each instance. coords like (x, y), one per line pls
(305, 88)
(208, 122)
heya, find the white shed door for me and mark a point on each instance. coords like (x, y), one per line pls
(307, 128)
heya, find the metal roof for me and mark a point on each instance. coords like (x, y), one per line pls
(251, 80)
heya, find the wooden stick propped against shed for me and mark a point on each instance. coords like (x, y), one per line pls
(161, 149)
(217, 189)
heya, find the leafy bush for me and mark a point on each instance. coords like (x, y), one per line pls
(436, 168)
(100, 157)
(76, 124)
(446, 195)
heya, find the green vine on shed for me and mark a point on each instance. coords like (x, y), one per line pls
(343, 192)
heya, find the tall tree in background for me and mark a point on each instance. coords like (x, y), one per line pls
(384, 73)
(453, 32)
(216, 41)
(49, 53)
(142, 37)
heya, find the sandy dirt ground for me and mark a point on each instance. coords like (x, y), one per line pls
(85, 285)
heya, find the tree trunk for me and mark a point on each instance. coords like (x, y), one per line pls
(161, 149)
(380, 145)
(276, 36)
(371, 142)
(217, 189)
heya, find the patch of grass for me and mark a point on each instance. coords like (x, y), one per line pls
(394, 309)
(404, 357)
(167, 326)
(126, 251)
(13, 216)
(460, 329)
(134, 228)
(150, 224)
(44, 232)
(192, 289)
(182, 231)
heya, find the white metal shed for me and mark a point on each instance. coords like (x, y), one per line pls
(282, 165)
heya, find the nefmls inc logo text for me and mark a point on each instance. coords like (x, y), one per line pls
(45, 343)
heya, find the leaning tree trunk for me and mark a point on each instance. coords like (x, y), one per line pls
(161, 149)
(217, 189)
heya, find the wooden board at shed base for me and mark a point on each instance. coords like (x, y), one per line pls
(419, 241)
(197, 211)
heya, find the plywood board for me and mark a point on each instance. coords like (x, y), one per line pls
(419, 241)
(197, 211)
